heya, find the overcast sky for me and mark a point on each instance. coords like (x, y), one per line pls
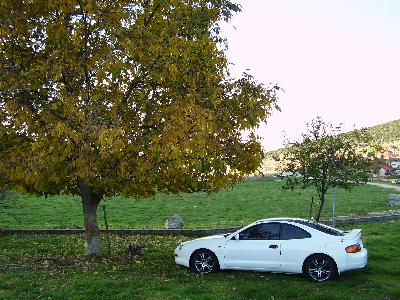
(338, 59)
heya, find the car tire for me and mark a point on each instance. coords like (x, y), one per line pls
(319, 268)
(204, 261)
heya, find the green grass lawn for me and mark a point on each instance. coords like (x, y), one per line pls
(52, 267)
(242, 204)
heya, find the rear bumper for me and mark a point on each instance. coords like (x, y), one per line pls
(357, 260)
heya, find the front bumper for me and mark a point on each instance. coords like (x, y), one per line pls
(181, 258)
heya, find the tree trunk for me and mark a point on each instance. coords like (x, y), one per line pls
(321, 193)
(321, 205)
(90, 202)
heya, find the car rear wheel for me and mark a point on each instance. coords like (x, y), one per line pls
(204, 261)
(319, 267)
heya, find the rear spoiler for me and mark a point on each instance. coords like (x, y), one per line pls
(354, 234)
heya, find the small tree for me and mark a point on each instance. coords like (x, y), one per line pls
(327, 158)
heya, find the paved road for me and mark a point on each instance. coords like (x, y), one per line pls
(386, 186)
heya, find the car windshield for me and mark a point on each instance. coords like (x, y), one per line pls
(321, 227)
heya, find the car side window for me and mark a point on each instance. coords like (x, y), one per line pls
(266, 231)
(291, 232)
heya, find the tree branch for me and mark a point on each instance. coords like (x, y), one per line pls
(85, 52)
(152, 14)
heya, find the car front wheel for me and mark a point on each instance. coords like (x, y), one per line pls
(203, 261)
(319, 267)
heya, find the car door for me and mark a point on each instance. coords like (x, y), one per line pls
(296, 246)
(257, 248)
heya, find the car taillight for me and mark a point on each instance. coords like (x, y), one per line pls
(353, 248)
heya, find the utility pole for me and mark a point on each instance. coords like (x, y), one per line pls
(334, 206)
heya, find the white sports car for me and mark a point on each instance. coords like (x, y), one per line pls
(284, 245)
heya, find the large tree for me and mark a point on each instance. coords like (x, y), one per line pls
(326, 158)
(128, 97)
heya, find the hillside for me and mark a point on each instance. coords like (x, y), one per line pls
(386, 135)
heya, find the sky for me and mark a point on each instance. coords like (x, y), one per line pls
(337, 59)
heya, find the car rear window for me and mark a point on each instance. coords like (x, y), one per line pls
(321, 227)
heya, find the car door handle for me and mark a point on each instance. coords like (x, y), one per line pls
(273, 246)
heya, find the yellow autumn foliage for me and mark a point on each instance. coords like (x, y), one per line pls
(129, 96)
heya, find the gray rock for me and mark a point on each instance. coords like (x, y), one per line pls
(394, 202)
(174, 222)
(394, 199)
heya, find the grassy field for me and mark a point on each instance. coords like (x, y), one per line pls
(52, 267)
(244, 203)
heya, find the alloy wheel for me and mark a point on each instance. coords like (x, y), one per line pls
(204, 262)
(320, 268)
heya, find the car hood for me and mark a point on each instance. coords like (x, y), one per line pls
(211, 237)
(207, 242)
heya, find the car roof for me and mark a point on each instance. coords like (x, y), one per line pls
(309, 223)
(283, 220)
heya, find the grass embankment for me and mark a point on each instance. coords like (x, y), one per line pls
(52, 267)
(242, 204)
(389, 182)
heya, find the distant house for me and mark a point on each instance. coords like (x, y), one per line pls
(394, 164)
(390, 168)
(385, 170)
(390, 152)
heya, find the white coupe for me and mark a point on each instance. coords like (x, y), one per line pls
(284, 245)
